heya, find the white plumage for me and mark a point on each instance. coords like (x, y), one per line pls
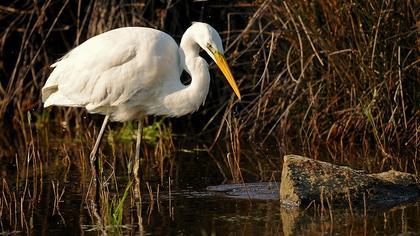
(128, 73)
(131, 72)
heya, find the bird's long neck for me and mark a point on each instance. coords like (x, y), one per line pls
(189, 98)
(196, 67)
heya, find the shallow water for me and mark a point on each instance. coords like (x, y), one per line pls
(27, 206)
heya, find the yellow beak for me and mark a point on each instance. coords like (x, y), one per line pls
(224, 67)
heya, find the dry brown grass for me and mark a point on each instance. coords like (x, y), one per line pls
(338, 74)
(327, 73)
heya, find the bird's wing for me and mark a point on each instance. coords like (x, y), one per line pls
(108, 69)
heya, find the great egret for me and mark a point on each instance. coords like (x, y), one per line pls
(128, 73)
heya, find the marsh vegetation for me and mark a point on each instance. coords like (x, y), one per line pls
(332, 80)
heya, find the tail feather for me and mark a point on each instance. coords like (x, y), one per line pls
(47, 91)
(57, 99)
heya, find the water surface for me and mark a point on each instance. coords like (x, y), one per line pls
(29, 205)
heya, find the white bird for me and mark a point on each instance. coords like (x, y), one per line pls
(131, 72)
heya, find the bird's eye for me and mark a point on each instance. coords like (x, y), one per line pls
(210, 48)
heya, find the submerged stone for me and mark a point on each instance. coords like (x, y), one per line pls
(306, 180)
(253, 191)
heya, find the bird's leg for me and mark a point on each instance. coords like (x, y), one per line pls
(139, 138)
(95, 148)
(136, 165)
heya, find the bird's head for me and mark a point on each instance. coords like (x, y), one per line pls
(209, 40)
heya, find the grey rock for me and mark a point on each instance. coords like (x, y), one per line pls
(306, 180)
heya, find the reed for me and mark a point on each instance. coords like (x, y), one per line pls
(333, 80)
(325, 73)
(316, 73)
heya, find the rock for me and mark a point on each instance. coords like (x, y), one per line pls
(254, 191)
(305, 180)
(397, 177)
